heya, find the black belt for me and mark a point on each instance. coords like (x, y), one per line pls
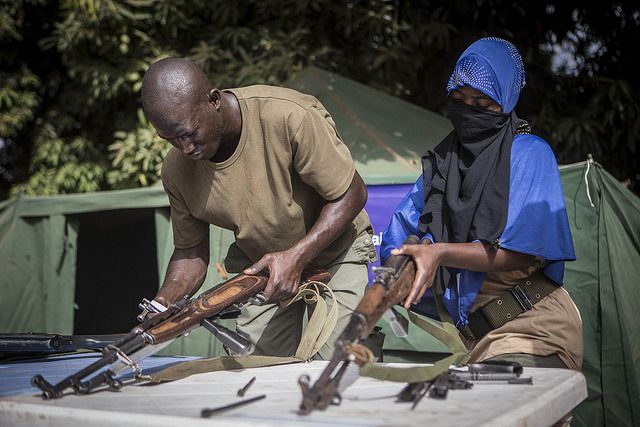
(508, 306)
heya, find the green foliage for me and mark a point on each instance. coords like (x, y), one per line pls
(606, 125)
(136, 156)
(71, 74)
(18, 100)
(62, 166)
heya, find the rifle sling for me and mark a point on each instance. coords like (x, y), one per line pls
(447, 334)
(320, 324)
(214, 364)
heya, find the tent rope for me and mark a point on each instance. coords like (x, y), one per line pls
(586, 178)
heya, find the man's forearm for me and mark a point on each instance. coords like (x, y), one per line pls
(334, 218)
(185, 274)
(179, 283)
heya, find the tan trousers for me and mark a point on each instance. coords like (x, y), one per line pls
(276, 331)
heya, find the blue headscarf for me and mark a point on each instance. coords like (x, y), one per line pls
(494, 67)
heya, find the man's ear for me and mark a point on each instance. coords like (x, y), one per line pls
(215, 98)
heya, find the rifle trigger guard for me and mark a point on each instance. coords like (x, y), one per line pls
(259, 299)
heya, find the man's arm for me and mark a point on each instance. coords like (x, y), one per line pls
(185, 274)
(285, 268)
(475, 256)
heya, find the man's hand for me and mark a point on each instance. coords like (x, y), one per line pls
(285, 272)
(285, 268)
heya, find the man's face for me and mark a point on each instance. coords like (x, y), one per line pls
(474, 97)
(195, 130)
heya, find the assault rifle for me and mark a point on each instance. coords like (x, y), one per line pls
(166, 324)
(391, 285)
(36, 344)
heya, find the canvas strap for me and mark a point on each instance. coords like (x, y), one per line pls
(321, 323)
(446, 333)
(508, 306)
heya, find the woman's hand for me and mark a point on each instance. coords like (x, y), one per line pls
(425, 257)
(476, 256)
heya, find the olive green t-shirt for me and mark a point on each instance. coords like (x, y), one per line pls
(290, 159)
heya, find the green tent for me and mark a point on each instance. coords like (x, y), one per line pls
(386, 135)
(604, 281)
(80, 263)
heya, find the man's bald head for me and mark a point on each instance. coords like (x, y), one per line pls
(173, 83)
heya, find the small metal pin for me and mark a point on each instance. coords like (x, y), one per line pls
(208, 412)
(244, 389)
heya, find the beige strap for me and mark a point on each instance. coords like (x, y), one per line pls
(447, 334)
(320, 324)
(413, 374)
(221, 363)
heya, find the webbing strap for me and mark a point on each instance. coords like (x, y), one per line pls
(221, 363)
(411, 375)
(320, 324)
(508, 306)
(447, 334)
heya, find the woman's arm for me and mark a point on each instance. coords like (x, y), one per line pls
(476, 256)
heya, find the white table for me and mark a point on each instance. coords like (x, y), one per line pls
(366, 402)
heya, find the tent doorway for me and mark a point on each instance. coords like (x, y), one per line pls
(116, 267)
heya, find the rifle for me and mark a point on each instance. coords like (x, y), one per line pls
(391, 285)
(35, 344)
(224, 300)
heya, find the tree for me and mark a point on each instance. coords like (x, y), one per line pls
(70, 118)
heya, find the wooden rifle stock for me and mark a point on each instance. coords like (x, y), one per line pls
(235, 290)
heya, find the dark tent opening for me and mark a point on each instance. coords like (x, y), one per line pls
(116, 266)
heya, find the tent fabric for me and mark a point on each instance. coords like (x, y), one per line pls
(386, 135)
(604, 282)
(37, 263)
(39, 242)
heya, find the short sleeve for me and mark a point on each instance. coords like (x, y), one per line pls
(320, 156)
(188, 231)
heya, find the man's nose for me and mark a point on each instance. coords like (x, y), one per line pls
(186, 146)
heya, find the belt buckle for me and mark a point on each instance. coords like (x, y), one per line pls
(522, 297)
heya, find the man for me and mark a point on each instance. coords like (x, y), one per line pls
(268, 164)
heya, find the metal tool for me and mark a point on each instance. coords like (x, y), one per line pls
(244, 389)
(208, 412)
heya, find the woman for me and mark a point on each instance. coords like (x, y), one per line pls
(490, 212)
